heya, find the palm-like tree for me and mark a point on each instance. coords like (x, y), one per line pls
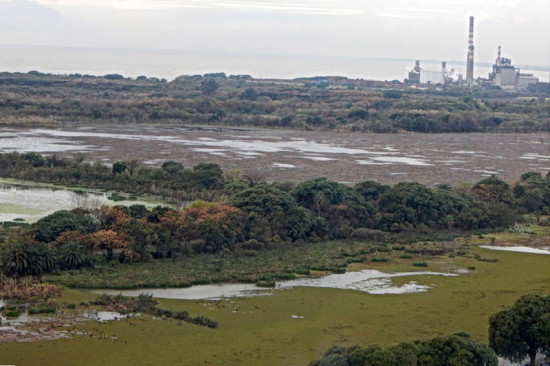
(16, 260)
(72, 255)
(25, 258)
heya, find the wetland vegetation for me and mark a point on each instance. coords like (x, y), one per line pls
(246, 218)
(261, 330)
(229, 226)
(263, 233)
(330, 103)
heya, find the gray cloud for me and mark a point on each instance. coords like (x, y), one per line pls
(28, 15)
(433, 29)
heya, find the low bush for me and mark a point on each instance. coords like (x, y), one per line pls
(379, 259)
(265, 283)
(420, 264)
(144, 303)
(11, 313)
(27, 288)
(42, 309)
(116, 197)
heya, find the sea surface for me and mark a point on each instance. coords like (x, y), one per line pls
(169, 64)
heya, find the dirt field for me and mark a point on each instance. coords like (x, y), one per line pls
(301, 155)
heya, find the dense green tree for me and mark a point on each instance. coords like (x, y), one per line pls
(410, 202)
(456, 349)
(492, 189)
(48, 228)
(249, 94)
(35, 159)
(209, 86)
(141, 238)
(138, 211)
(532, 193)
(370, 190)
(298, 223)
(207, 175)
(172, 167)
(522, 330)
(451, 350)
(264, 200)
(119, 167)
(341, 206)
(334, 356)
(270, 205)
(318, 192)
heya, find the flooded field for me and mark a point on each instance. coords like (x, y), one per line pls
(369, 281)
(520, 249)
(300, 155)
(29, 203)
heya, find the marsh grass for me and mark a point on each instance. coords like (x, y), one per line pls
(261, 331)
(282, 263)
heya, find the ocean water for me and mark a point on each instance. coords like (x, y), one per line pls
(169, 64)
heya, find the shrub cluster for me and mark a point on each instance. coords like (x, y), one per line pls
(144, 303)
(455, 349)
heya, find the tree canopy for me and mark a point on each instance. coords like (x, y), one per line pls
(456, 349)
(522, 330)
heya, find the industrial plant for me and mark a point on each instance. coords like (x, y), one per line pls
(504, 75)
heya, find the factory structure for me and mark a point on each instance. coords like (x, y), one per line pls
(504, 75)
(420, 76)
(470, 60)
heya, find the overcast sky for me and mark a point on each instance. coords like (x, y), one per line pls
(425, 29)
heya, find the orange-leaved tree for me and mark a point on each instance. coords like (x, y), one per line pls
(108, 241)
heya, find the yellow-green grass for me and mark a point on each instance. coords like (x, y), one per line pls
(280, 263)
(261, 331)
(17, 209)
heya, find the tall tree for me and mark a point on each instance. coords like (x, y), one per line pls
(522, 330)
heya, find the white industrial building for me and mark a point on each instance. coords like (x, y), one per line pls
(506, 76)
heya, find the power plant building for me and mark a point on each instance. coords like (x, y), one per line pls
(503, 75)
(431, 77)
(506, 76)
(419, 75)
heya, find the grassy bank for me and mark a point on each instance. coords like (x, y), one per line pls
(249, 266)
(299, 259)
(260, 330)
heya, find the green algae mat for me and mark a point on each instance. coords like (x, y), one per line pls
(293, 327)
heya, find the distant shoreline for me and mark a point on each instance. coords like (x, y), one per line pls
(170, 63)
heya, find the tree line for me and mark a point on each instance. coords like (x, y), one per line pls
(243, 214)
(216, 99)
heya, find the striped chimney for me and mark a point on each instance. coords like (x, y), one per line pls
(470, 62)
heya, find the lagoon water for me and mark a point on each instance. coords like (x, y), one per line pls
(520, 249)
(369, 281)
(32, 203)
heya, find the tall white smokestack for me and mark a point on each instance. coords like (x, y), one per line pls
(470, 61)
